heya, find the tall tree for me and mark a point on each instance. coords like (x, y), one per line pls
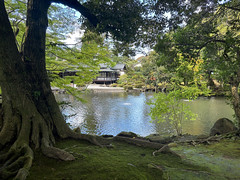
(31, 117)
(214, 39)
(30, 112)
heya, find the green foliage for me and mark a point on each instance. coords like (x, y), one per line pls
(123, 79)
(128, 87)
(17, 16)
(84, 62)
(214, 39)
(170, 107)
(185, 68)
(120, 59)
(131, 80)
(136, 23)
(114, 85)
(193, 92)
(210, 45)
(139, 85)
(153, 73)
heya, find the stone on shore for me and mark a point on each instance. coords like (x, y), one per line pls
(222, 126)
(127, 134)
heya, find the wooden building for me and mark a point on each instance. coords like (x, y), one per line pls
(109, 75)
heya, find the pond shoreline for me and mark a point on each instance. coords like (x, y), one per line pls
(103, 87)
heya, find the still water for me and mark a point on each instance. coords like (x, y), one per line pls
(113, 112)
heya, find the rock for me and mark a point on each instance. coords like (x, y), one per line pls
(222, 126)
(127, 134)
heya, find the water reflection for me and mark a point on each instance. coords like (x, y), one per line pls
(113, 112)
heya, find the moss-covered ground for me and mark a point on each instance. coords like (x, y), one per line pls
(128, 162)
(221, 159)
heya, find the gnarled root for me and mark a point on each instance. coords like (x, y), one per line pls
(139, 142)
(165, 150)
(146, 143)
(36, 126)
(96, 140)
(16, 162)
(55, 153)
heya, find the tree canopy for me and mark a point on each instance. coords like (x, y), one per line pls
(214, 40)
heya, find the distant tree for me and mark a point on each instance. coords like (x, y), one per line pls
(153, 72)
(215, 40)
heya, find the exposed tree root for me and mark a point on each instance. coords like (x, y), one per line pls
(55, 153)
(37, 126)
(165, 150)
(30, 128)
(139, 142)
(16, 162)
(96, 140)
(208, 140)
(142, 142)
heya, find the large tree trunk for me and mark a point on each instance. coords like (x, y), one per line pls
(31, 116)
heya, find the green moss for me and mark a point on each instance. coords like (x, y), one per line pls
(222, 159)
(121, 162)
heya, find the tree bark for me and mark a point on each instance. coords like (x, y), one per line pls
(235, 96)
(236, 102)
(234, 90)
(31, 116)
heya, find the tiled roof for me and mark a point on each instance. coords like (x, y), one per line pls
(118, 67)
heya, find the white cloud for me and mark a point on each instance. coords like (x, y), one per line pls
(74, 37)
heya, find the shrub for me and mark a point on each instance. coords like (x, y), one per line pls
(139, 85)
(170, 107)
(114, 85)
(120, 85)
(128, 87)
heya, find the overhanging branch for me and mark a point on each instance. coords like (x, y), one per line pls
(236, 8)
(80, 8)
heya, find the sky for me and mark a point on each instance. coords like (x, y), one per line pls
(72, 37)
(78, 33)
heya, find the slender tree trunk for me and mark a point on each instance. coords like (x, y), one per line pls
(235, 94)
(236, 101)
(234, 90)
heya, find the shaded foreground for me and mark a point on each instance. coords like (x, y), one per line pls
(216, 161)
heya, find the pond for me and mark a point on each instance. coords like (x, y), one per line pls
(113, 112)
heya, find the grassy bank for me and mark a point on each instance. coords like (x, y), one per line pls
(126, 161)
